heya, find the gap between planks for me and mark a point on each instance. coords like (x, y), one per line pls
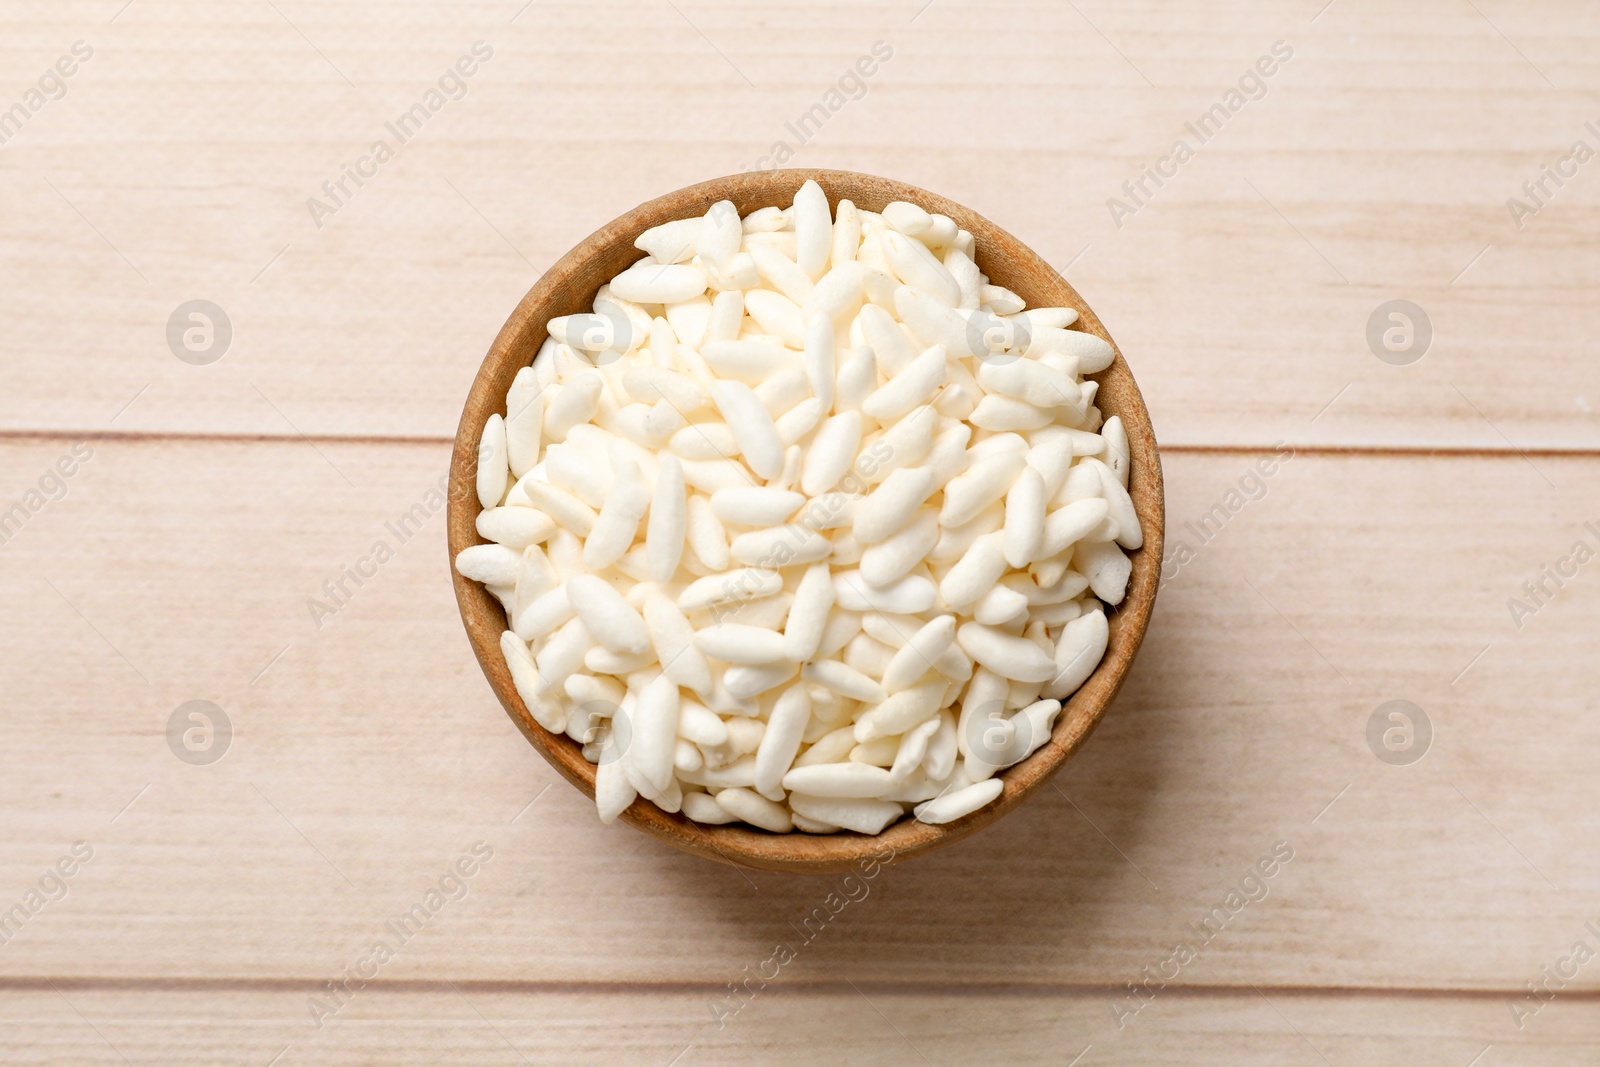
(161, 437)
(818, 987)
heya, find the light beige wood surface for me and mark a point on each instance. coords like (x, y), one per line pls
(1376, 166)
(458, 1023)
(368, 753)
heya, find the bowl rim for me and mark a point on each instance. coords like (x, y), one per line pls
(1025, 271)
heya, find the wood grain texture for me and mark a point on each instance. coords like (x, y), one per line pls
(1376, 166)
(473, 1025)
(368, 758)
(370, 755)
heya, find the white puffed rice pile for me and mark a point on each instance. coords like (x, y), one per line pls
(806, 525)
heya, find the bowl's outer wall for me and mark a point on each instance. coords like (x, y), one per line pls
(569, 287)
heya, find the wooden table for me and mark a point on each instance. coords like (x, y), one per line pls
(209, 502)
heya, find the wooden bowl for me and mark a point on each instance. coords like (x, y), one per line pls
(569, 287)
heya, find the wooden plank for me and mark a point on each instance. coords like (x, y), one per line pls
(470, 1025)
(368, 756)
(1376, 167)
